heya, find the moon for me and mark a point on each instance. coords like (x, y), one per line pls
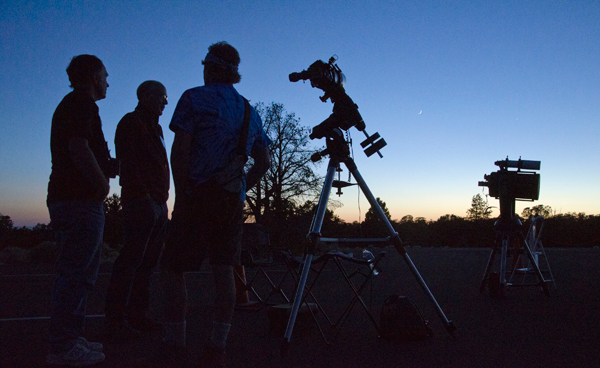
(420, 112)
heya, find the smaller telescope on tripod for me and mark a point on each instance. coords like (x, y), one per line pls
(509, 186)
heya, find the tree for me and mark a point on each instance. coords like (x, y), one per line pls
(112, 204)
(407, 218)
(113, 220)
(479, 208)
(374, 226)
(539, 210)
(291, 180)
(6, 224)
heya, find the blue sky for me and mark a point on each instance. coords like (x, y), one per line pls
(452, 86)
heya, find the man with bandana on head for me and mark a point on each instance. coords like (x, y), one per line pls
(207, 216)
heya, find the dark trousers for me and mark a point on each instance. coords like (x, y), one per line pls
(144, 227)
(78, 227)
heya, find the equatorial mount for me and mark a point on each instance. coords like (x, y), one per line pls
(329, 78)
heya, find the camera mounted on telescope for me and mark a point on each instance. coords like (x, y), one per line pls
(329, 78)
(325, 76)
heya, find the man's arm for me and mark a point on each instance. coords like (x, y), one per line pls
(127, 150)
(180, 161)
(262, 162)
(86, 163)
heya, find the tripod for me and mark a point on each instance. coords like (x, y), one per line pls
(510, 242)
(338, 151)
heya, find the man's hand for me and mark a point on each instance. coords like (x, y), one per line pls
(262, 163)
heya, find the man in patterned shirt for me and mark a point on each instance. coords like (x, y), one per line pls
(207, 217)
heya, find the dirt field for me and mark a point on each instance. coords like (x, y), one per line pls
(525, 329)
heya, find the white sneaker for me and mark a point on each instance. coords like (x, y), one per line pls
(78, 356)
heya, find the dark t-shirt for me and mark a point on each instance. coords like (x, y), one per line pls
(140, 146)
(76, 116)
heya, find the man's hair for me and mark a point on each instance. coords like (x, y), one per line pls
(149, 88)
(225, 70)
(82, 69)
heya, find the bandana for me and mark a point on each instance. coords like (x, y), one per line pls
(210, 58)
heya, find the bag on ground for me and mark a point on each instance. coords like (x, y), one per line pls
(401, 320)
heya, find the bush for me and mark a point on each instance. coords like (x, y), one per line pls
(14, 255)
(45, 252)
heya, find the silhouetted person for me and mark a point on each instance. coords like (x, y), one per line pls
(207, 217)
(79, 183)
(145, 180)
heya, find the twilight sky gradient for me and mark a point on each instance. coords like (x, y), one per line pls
(452, 86)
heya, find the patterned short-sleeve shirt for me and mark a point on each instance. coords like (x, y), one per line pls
(213, 116)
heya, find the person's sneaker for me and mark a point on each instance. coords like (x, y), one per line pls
(78, 356)
(144, 324)
(95, 346)
(212, 357)
(120, 330)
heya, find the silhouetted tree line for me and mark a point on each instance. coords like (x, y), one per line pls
(562, 230)
(23, 237)
(289, 230)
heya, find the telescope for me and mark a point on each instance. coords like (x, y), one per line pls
(514, 184)
(509, 186)
(329, 78)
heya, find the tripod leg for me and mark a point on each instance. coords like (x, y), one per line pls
(505, 244)
(449, 324)
(488, 268)
(315, 235)
(499, 290)
(397, 242)
(298, 297)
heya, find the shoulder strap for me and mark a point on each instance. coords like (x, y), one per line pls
(245, 128)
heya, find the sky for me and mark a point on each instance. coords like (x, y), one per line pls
(452, 86)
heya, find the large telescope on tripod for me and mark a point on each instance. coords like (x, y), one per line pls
(509, 186)
(329, 78)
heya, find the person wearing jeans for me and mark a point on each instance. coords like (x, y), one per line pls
(78, 185)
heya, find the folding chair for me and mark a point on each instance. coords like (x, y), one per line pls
(256, 240)
(367, 269)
